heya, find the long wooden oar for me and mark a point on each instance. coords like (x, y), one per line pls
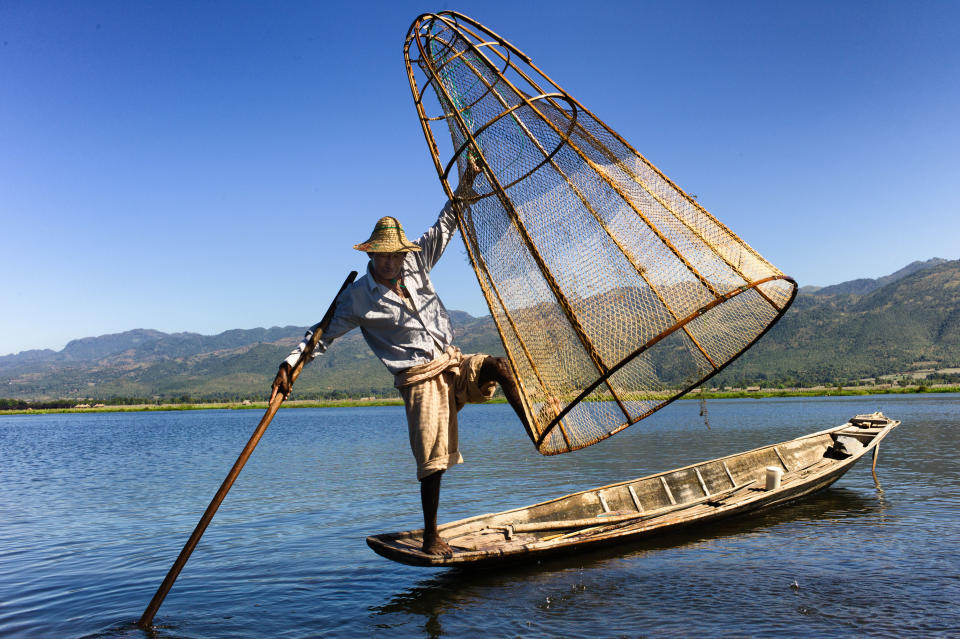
(147, 618)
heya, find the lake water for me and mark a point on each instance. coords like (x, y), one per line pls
(94, 508)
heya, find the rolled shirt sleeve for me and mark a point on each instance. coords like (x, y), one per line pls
(342, 322)
(435, 240)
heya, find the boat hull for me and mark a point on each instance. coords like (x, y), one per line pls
(651, 505)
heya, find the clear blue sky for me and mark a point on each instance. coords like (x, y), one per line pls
(206, 166)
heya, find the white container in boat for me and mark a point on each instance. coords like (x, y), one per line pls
(773, 477)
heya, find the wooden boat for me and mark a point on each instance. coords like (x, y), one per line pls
(628, 510)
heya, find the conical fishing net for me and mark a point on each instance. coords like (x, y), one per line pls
(613, 290)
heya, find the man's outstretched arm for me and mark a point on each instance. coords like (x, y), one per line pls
(341, 323)
(435, 240)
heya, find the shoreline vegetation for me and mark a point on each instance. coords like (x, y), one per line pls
(695, 395)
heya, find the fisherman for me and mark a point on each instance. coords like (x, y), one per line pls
(406, 325)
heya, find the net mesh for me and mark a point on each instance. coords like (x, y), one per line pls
(614, 291)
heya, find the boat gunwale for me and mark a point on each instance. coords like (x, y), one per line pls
(828, 431)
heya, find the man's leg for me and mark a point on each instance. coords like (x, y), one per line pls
(497, 369)
(433, 544)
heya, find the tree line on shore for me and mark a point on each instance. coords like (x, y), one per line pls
(943, 383)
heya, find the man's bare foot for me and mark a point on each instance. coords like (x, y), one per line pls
(437, 546)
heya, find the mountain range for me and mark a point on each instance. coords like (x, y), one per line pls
(905, 321)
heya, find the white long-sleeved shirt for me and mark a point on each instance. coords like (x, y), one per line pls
(399, 335)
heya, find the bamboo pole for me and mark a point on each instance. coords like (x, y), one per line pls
(147, 618)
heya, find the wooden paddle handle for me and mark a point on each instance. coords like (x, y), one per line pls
(147, 619)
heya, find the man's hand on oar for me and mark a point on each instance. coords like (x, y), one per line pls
(282, 383)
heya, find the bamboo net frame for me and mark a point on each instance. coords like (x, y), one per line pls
(614, 291)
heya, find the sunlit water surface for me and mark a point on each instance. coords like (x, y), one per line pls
(94, 509)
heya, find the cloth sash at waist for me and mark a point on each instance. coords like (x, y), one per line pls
(450, 358)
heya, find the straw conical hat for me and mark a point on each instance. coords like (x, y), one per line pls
(387, 237)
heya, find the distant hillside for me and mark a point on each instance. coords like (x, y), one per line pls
(862, 328)
(236, 364)
(910, 322)
(144, 345)
(864, 286)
